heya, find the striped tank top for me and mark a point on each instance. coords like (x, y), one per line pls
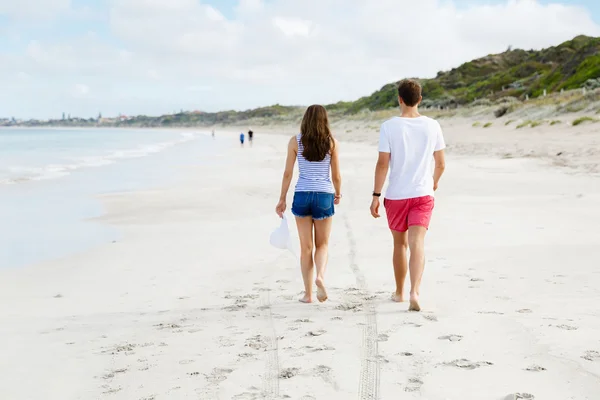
(315, 176)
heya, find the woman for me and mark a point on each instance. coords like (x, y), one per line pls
(315, 194)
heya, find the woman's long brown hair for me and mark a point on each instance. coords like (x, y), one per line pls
(316, 135)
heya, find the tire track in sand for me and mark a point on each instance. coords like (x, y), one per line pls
(368, 388)
(271, 374)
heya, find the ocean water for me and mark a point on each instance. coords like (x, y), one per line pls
(49, 179)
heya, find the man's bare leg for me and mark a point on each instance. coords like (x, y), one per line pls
(305, 233)
(322, 232)
(416, 243)
(400, 263)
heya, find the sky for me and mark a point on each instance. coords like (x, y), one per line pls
(133, 57)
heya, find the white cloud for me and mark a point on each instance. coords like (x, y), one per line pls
(36, 9)
(292, 27)
(277, 51)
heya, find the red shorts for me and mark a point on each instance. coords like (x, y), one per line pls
(409, 212)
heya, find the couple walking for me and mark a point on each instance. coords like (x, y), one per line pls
(408, 147)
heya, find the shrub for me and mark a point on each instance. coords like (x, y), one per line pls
(510, 121)
(537, 123)
(481, 102)
(582, 120)
(501, 111)
(476, 124)
(487, 125)
(555, 122)
(523, 124)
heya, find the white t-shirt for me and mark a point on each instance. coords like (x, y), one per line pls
(411, 143)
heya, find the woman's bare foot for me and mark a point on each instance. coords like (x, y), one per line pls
(306, 299)
(414, 303)
(321, 291)
(398, 298)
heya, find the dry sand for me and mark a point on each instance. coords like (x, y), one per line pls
(193, 303)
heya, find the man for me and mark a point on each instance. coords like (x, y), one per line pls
(242, 139)
(408, 146)
(250, 136)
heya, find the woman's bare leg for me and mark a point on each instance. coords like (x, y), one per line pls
(305, 233)
(322, 232)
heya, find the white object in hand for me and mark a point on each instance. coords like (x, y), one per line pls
(280, 238)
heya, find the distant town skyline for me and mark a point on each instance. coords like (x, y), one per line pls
(147, 57)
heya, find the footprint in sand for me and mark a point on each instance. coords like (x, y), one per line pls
(218, 375)
(312, 349)
(337, 318)
(476, 280)
(127, 349)
(167, 326)
(451, 338)
(431, 318)
(324, 372)
(406, 354)
(519, 396)
(303, 321)
(235, 307)
(535, 368)
(256, 343)
(591, 355)
(524, 311)
(566, 327)
(466, 364)
(316, 333)
(383, 338)
(414, 385)
(289, 373)
(356, 307)
(114, 373)
(490, 313)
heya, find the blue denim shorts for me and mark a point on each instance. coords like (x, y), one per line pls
(318, 205)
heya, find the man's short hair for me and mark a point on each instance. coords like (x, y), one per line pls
(410, 92)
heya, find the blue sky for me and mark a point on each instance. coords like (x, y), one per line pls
(153, 57)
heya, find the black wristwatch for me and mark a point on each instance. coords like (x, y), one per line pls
(376, 194)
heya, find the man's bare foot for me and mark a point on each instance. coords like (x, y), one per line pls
(321, 291)
(306, 299)
(398, 298)
(414, 303)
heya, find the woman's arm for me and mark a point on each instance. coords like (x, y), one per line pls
(288, 174)
(336, 175)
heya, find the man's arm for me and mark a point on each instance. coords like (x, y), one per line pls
(440, 166)
(381, 170)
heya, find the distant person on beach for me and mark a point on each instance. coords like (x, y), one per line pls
(213, 133)
(250, 136)
(408, 146)
(242, 139)
(317, 191)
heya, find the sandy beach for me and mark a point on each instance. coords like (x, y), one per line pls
(193, 302)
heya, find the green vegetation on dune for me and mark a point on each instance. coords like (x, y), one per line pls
(583, 120)
(514, 73)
